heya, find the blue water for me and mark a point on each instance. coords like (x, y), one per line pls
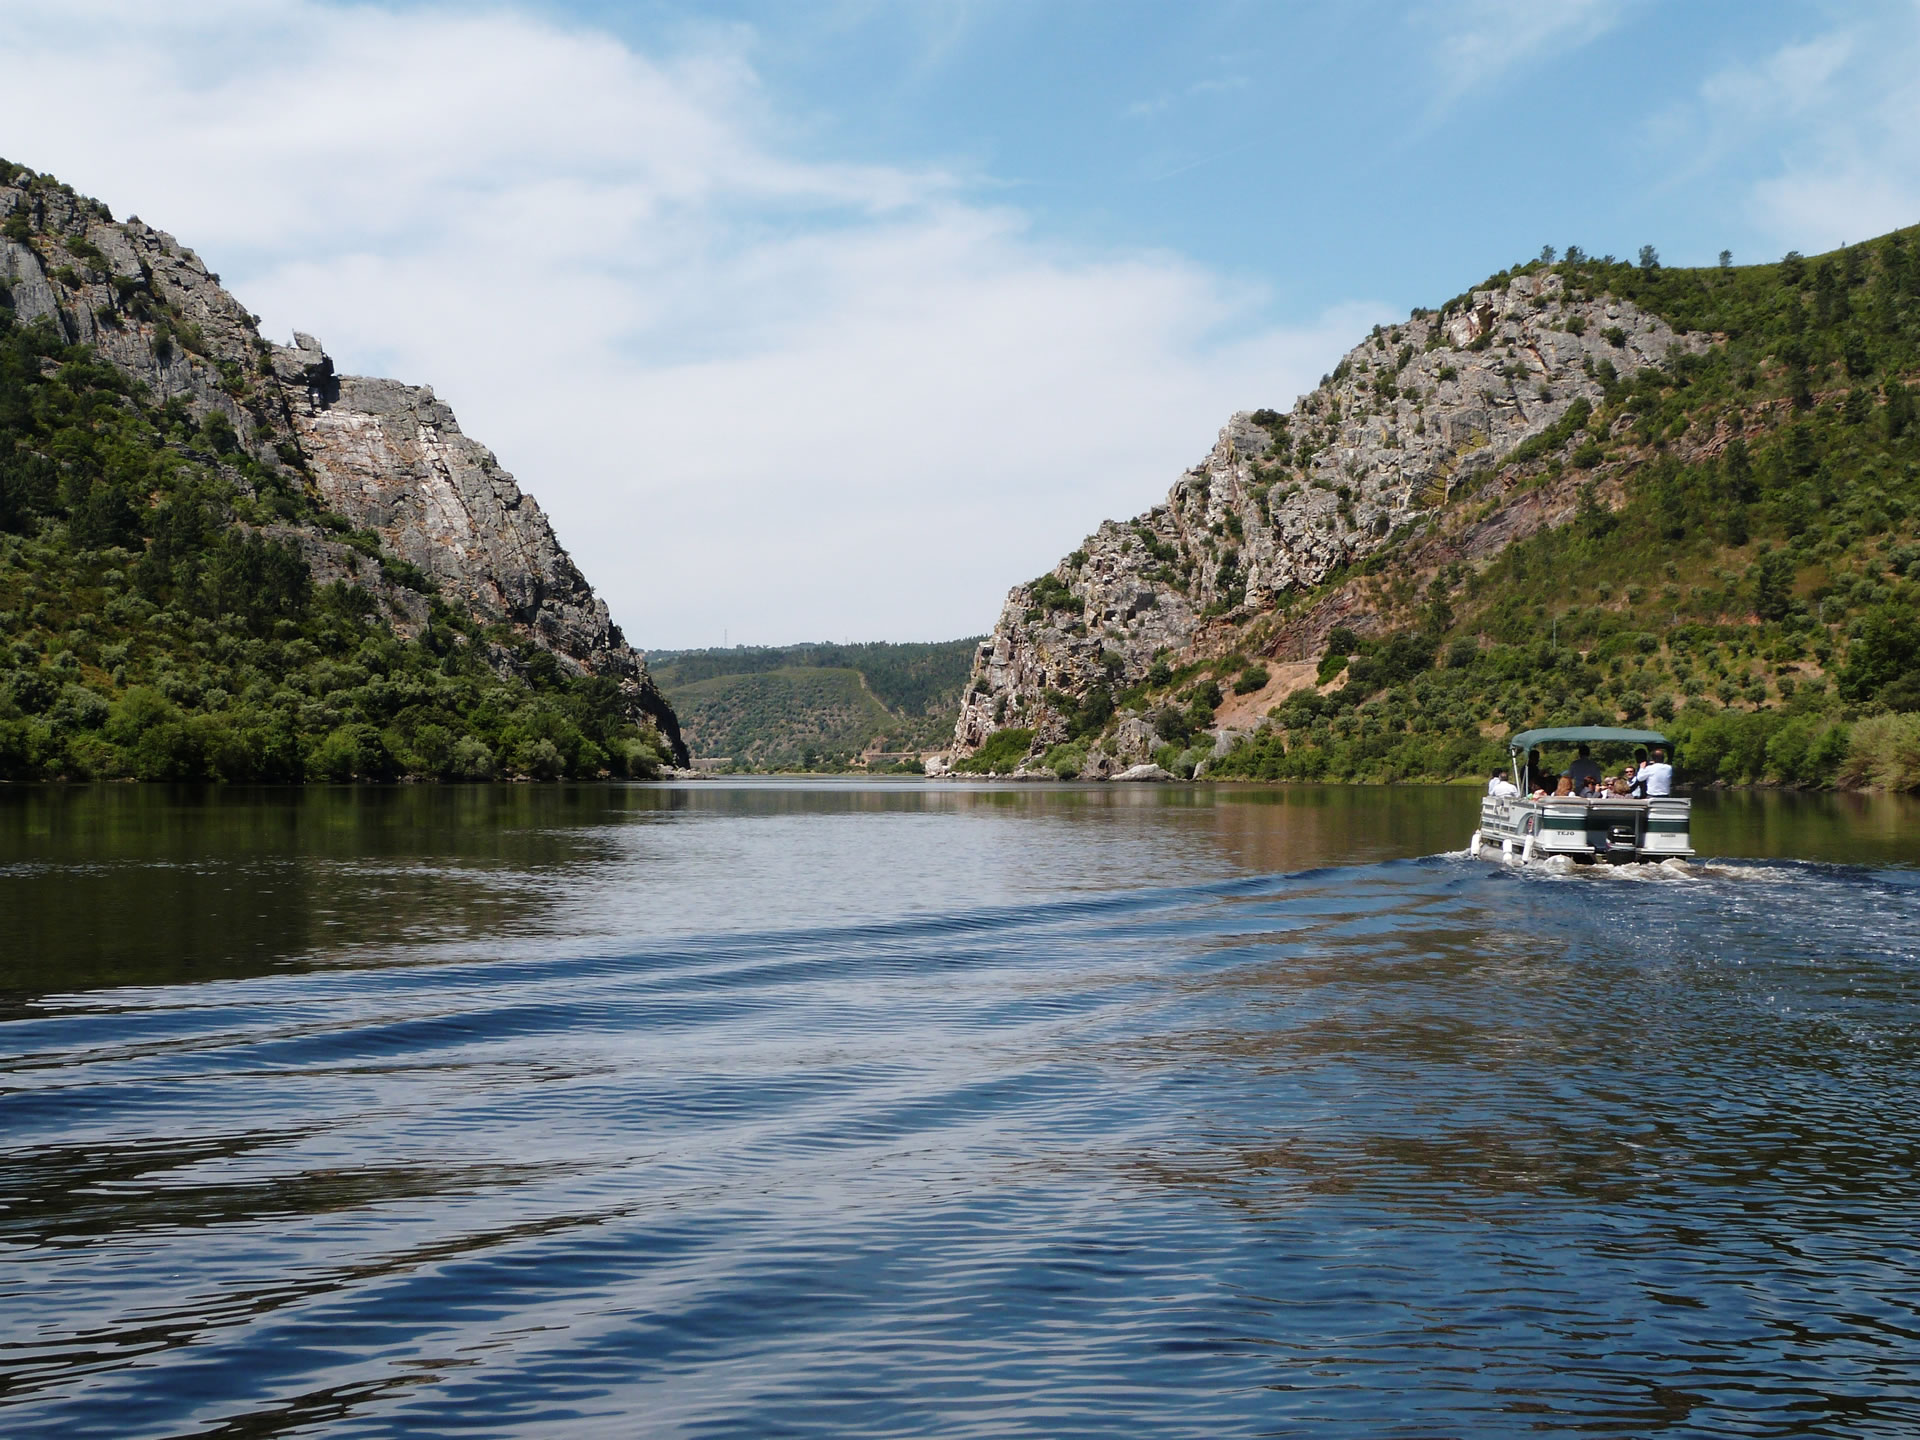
(783, 1111)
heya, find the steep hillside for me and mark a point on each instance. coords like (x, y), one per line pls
(815, 707)
(1585, 491)
(220, 559)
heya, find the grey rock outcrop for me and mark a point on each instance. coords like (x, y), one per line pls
(393, 460)
(1414, 417)
(386, 457)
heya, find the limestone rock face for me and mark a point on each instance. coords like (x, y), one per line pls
(388, 457)
(1415, 414)
(392, 459)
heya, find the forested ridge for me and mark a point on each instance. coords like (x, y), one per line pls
(158, 620)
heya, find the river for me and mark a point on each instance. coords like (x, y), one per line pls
(772, 1108)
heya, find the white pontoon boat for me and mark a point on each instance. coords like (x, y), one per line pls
(1615, 829)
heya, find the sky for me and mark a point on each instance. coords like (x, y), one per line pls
(832, 321)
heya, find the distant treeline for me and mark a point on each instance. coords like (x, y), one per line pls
(814, 707)
(913, 679)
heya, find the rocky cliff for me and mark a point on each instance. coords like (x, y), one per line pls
(381, 459)
(1409, 435)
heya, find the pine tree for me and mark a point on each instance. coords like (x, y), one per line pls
(1899, 409)
(1826, 296)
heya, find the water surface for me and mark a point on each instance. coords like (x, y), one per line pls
(902, 1109)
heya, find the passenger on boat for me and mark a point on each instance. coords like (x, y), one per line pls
(1500, 787)
(1531, 779)
(1655, 777)
(1565, 787)
(1584, 769)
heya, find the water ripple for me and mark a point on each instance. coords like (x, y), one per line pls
(1409, 1148)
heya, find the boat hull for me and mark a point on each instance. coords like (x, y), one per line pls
(1610, 830)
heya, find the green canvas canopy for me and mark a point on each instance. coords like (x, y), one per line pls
(1574, 734)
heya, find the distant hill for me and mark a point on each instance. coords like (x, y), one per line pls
(814, 707)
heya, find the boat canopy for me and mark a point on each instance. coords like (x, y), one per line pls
(1571, 734)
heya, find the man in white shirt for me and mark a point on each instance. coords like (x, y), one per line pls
(1655, 777)
(1502, 788)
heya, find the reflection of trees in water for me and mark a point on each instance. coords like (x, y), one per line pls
(1298, 828)
(151, 885)
(1844, 828)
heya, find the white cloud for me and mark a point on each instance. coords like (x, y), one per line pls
(784, 398)
(1789, 81)
(1481, 40)
(1838, 121)
(1165, 101)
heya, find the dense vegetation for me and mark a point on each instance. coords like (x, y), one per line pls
(151, 627)
(1742, 570)
(815, 707)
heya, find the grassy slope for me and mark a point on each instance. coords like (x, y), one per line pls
(147, 631)
(1741, 569)
(806, 706)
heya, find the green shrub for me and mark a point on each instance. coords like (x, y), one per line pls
(1051, 593)
(470, 759)
(1806, 750)
(541, 759)
(999, 754)
(1883, 751)
(1254, 677)
(1180, 761)
(1886, 649)
(355, 752)
(1066, 760)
